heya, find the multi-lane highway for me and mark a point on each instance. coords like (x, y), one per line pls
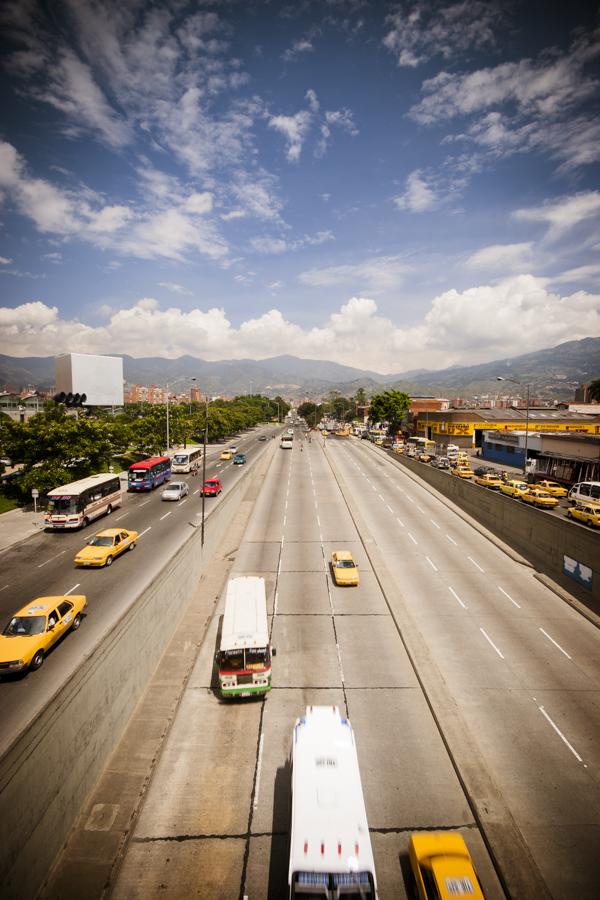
(473, 690)
(43, 566)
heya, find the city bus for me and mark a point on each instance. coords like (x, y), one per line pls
(149, 473)
(244, 657)
(330, 848)
(74, 505)
(185, 460)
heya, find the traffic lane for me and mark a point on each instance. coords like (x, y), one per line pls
(484, 680)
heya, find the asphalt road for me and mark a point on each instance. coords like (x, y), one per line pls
(215, 818)
(43, 566)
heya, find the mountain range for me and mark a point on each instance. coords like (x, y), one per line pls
(552, 373)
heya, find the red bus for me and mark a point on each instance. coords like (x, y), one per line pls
(149, 473)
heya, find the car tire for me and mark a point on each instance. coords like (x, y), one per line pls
(109, 561)
(109, 510)
(589, 522)
(132, 545)
(85, 522)
(37, 660)
(76, 622)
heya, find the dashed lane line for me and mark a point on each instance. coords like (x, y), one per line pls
(555, 643)
(491, 643)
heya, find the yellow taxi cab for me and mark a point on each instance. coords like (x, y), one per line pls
(462, 471)
(345, 570)
(489, 480)
(514, 487)
(425, 457)
(102, 548)
(34, 629)
(553, 488)
(226, 454)
(442, 866)
(589, 515)
(537, 497)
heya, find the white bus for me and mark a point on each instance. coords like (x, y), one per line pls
(75, 505)
(330, 847)
(244, 656)
(185, 460)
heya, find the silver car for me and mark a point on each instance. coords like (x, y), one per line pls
(175, 490)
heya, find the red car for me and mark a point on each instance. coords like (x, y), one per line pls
(212, 487)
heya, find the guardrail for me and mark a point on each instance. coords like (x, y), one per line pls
(47, 773)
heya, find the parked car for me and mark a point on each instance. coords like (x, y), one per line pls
(584, 512)
(536, 497)
(239, 459)
(514, 487)
(345, 570)
(175, 490)
(35, 628)
(104, 546)
(462, 471)
(489, 480)
(211, 487)
(552, 487)
(441, 462)
(483, 470)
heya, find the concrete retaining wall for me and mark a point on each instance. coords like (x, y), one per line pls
(49, 771)
(542, 539)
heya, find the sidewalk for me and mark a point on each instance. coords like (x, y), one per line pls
(18, 524)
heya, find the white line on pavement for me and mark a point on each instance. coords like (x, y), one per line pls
(432, 564)
(145, 502)
(452, 541)
(318, 522)
(165, 515)
(381, 498)
(490, 641)
(400, 522)
(72, 589)
(456, 597)
(509, 597)
(420, 508)
(477, 566)
(284, 520)
(555, 644)
(121, 517)
(435, 523)
(258, 769)
(4, 588)
(185, 500)
(197, 491)
(561, 735)
(412, 538)
(144, 532)
(41, 565)
(390, 508)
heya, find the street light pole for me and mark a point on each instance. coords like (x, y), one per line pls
(168, 436)
(527, 386)
(204, 468)
(191, 389)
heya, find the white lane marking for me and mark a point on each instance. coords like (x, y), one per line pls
(509, 597)
(412, 538)
(197, 491)
(420, 508)
(381, 498)
(145, 502)
(390, 508)
(435, 523)
(452, 541)
(66, 594)
(284, 520)
(4, 588)
(142, 533)
(432, 564)
(41, 565)
(456, 597)
(490, 641)
(561, 735)
(555, 644)
(318, 522)
(121, 517)
(185, 500)
(400, 522)
(165, 515)
(477, 566)
(258, 769)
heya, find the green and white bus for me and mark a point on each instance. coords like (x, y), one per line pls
(244, 657)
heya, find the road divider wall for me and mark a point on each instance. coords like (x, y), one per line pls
(547, 541)
(50, 769)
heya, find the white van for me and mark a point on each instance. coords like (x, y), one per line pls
(586, 492)
(286, 444)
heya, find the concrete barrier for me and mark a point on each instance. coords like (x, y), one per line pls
(49, 770)
(542, 539)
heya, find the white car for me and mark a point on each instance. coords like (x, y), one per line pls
(175, 490)
(233, 449)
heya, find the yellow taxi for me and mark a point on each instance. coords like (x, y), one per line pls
(514, 487)
(553, 488)
(345, 570)
(489, 480)
(462, 471)
(589, 515)
(537, 497)
(425, 457)
(442, 866)
(105, 545)
(33, 630)
(226, 454)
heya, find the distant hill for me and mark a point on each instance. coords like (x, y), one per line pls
(550, 372)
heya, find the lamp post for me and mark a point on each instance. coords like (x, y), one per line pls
(278, 410)
(204, 469)
(191, 389)
(168, 436)
(526, 385)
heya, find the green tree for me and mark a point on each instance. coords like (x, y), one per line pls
(390, 407)
(594, 389)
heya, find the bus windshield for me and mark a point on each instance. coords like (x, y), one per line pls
(138, 474)
(63, 504)
(180, 458)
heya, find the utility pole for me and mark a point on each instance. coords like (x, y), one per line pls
(204, 468)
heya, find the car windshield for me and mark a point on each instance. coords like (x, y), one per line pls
(210, 484)
(345, 564)
(101, 541)
(25, 625)
(175, 486)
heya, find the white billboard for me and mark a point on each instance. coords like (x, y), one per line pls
(100, 378)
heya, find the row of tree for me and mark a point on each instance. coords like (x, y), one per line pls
(55, 447)
(390, 407)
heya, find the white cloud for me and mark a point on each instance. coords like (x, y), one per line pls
(586, 274)
(511, 257)
(487, 322)
(564, 214)
(374, 274)
(295, 130)
(297, 49)
(268, 245)
(5, 261)
(419, 196)
(175, 288)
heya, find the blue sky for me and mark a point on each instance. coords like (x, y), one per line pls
(388, 185)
